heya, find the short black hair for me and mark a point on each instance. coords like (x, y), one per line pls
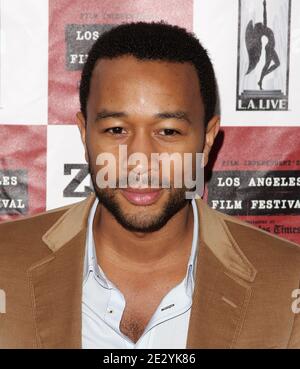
(152, 41)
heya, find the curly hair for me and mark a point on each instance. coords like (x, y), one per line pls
(153, 41)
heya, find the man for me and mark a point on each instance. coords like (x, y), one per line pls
(135, 267)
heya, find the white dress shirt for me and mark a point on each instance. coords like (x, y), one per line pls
(103, 305)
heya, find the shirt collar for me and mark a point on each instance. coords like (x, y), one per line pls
(192, 263)
(91, 264)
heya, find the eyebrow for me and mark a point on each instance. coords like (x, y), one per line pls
(178, 114)
(109, 114)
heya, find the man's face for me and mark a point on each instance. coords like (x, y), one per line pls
(151, 107)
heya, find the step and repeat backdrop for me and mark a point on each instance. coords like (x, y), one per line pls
(254, 170)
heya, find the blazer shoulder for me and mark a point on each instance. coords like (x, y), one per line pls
(40, 219)
(21, 239)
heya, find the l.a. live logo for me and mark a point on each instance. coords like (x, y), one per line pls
(262, 104)
(263, 55)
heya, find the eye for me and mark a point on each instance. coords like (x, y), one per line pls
(169, 132)
(116, 130)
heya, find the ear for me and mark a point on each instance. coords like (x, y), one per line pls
(212, 130)
(81, 123)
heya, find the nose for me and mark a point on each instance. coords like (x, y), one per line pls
(141, 142)
(139, 150)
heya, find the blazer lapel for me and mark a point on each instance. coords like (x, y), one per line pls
(222, 285)
(56, 281)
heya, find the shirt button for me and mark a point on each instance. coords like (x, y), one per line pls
(110, 310)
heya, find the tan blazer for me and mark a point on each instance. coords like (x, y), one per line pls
(242, 297)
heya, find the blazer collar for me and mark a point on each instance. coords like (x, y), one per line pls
(56, 281)
(69, 225)
(212, 229)
(216, 235)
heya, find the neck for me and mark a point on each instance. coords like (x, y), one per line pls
(167, 247)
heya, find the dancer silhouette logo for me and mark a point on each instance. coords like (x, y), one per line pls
(263, 54)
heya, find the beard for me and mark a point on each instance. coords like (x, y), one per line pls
(142, 220)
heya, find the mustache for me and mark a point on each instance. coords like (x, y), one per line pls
(136, 180)
(139, 180)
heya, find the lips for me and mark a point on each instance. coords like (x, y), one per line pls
(142, 197)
